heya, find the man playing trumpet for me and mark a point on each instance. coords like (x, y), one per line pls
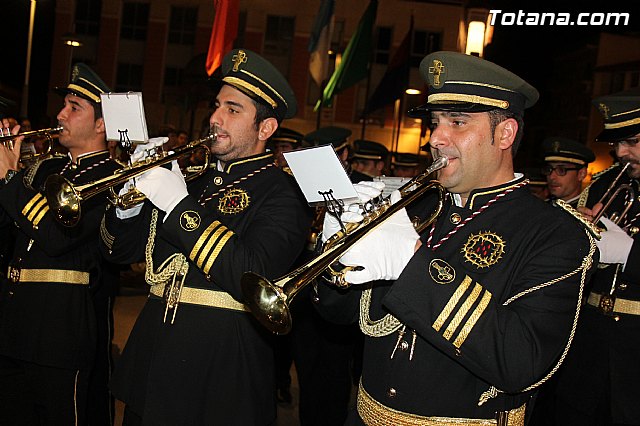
(482, 305)
(55, 308)
(195, 355)
(599, 382)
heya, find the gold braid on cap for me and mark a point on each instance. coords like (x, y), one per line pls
(622, 123)
(250, 87)
(474, 99)
(79, 89)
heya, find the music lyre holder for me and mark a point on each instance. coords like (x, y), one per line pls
(334, 206)
(125, 142)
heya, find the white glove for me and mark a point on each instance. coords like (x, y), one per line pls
(352, 212)
(384, 252)
(143, 150)
(164, 188)
(614, 244)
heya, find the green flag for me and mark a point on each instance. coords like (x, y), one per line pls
(355, 59)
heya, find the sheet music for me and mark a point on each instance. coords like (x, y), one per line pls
(124, 114)
(318, 170)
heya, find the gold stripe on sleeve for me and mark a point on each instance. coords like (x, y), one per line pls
(462, 312)
(471, 322)
(451, 304)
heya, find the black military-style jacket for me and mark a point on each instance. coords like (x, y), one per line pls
(52, 323)
(248, 217)
(627, 284)
(487, 303)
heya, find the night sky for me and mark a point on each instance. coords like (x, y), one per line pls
(523, 49)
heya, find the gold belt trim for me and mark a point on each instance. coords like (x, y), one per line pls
(620, 306)
(374, 413)
(204, 297)
(60, 276)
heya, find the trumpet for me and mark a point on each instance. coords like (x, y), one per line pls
(269, 301)
(49, 134)
(611, 194)
(65, 199)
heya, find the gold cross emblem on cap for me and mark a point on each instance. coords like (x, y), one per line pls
(75, 73)
(239, 58)
(605, 110)
(437, 69)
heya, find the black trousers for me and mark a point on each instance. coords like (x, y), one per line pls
(32, 394)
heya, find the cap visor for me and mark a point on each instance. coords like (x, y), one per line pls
(615, 135)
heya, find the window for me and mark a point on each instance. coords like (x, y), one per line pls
(279, 35)
(424, 42)
(383, 45)
(182, 26)
(88, 17)
(135, 18)
(129, 77)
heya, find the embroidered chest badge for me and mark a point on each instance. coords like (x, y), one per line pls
(189, 220)
(441, 272)
(233, 201)
(484, 249)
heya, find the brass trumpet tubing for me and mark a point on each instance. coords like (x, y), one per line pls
(65, 199)
(269, 301)
(7, 140)
(30, 133)
(611, 193)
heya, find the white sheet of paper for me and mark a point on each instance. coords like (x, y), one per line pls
(319, 169)
(124, 112)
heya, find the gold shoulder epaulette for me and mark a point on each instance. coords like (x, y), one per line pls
(30, 174)
(591, 227)
(601, 172)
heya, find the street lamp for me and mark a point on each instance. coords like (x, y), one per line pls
(72, 41)
(24, 106)
(476, 32)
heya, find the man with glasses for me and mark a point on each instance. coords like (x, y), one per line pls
(598, 383)
(566, 167)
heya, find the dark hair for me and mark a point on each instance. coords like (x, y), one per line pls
(97, 110)
(263, 112)
(497, 116)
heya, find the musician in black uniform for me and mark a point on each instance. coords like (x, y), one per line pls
(55, 311)
(369, 158)
(405, 164)
(196, 355)
(284, 140)
(598, 384)
(323, 351)
(484, 301)
(566, 162)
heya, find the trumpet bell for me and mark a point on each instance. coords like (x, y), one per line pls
(267, 302)
(63, 200)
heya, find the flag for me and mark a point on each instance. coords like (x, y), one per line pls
(223, 33)
(355, 59)
(320, 42)
(396, 79)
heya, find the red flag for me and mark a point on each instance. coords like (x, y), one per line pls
(224, 32)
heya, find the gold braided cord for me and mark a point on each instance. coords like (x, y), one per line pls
(587, 261)
(175, 265)
(380, 328)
